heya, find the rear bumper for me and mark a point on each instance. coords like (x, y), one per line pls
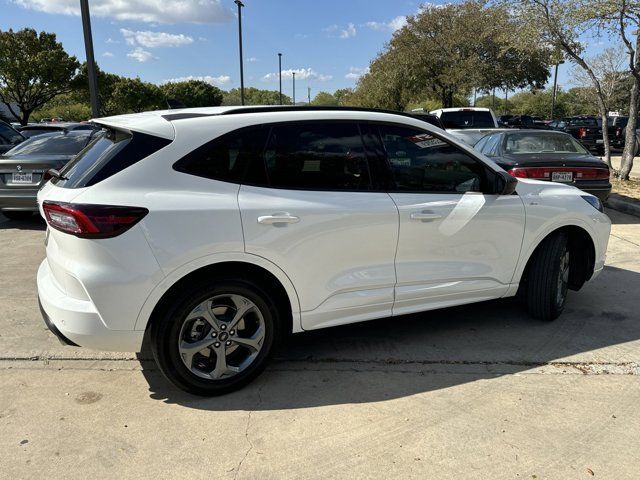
(601, 192)
(23, 199)
(77, 322)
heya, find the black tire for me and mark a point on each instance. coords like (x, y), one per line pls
(547, 278)
(17, 215)
(166, 328)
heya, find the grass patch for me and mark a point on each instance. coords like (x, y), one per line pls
(628, 188)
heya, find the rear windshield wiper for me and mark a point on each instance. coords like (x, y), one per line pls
(56, 174)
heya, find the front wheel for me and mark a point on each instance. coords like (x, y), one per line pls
(216, 339)
(548, 278)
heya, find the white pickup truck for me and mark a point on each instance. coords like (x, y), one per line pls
(469, 124)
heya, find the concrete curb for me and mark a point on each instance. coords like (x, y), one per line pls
(623, 204)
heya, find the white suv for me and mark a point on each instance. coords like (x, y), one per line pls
(221, 230)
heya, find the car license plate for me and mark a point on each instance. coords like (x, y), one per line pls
(561, 176)
(22, 178)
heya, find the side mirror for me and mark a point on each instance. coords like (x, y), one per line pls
(505, 183)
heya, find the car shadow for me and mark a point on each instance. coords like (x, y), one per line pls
(36, 222)
(402, 356)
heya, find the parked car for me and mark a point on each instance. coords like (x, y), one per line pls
(526, 121)
(218, 231)
(586, 129)
(9, 137)
(24, 168)
(429, 118)
(466, 117)
(38, 128)
(503, 119)
(467, 124)
(618, 132)
(550, 156)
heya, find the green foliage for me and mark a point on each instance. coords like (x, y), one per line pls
(34, 69)
(444, 52)
(131, 95)
(325, 98)
(537, 103)
(193, 93)
(65, 106)
(254, 96)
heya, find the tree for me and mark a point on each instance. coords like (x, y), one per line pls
(255, 96)
(132, 95)
(325, 98)
(608, 67)
(34, 69)
(343, 96)
(447, 50)
(563, 24)
(193, 93)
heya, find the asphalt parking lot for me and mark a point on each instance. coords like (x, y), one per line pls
(480, 391)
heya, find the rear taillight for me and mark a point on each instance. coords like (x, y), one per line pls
(545, 173)
(582, 132)
(92, 221)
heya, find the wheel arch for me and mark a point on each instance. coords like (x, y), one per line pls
(275, 281)
(582, 249)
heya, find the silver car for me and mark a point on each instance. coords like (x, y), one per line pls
(23, 169)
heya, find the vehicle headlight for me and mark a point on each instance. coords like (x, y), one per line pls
(594, 202)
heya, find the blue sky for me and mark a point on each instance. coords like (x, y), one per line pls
(328, 43)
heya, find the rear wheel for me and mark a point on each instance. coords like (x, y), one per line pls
(17, 215)
(217, 338)
(548, 278)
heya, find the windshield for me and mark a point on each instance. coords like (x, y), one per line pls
(467, 119)
(51, 144)
(541, 142)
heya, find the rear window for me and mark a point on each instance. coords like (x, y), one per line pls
(542, 143)
(52, 144)
(110, 152)
(584, 122)
(467, 119)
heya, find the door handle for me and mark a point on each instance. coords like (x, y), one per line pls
(278, 218)
(425, 216)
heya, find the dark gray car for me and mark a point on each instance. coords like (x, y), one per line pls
(9, 137)
(23, 168)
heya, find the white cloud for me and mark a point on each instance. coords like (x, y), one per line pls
(251, 59)
(154, 39)
(107, 54)
(160, 11)
(301, 74)
(141, 55)
(218, 81)
(355, 73)
(111, 40)
(338, 31)
(391, 26)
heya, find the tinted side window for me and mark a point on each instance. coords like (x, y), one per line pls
(491, 147)
(233, 157)
(317, 156)
(110, 152)
(421, 162)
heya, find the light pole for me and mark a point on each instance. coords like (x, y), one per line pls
(294, 88)
(309, 94)
(555, 88)
(91, 63)
(280, 74)
(240, 5)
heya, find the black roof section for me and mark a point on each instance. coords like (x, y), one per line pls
(285, 108)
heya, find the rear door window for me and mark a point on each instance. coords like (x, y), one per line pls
(317, 156)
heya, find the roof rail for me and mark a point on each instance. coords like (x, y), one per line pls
(305, 108)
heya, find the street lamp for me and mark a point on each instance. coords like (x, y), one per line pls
(240, 5)
(294, 88)
(280, 73)
(555, 88)
(91, 63)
